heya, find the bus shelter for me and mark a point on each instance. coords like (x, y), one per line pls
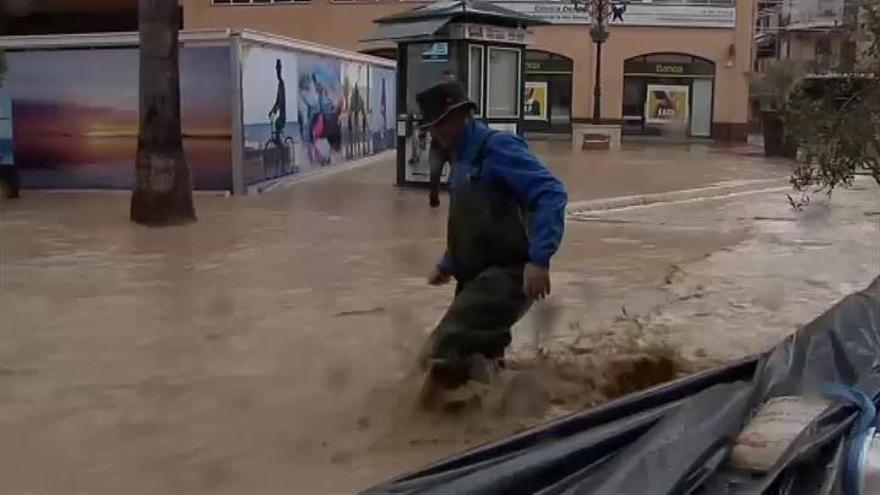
(481, 45)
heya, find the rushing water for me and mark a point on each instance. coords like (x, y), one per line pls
(268, 348)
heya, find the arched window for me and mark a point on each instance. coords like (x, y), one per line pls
(544, 61)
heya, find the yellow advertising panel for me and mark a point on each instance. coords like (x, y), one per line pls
(666, 104)
(535, 101)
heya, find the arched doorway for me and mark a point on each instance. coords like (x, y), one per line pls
(547, 101)
(668, 94)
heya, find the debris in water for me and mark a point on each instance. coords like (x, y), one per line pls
(356, 312)
(342, 457)
(627, 374)
(338, 377)
(672, 271)
(525, 396)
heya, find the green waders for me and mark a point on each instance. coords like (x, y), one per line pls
(488, 244)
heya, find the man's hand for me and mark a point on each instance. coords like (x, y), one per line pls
(437, 277)
(536, 281)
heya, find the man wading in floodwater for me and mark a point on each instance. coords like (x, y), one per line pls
(501, 264)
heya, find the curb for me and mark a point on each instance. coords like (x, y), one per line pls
(318, 173)
(717, 190)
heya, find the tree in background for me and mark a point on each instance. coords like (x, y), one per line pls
(773, 88)
(163, 183)
(837, 122)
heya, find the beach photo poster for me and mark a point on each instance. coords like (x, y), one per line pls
(75, 114)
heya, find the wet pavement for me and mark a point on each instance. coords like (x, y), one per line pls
(269, 348)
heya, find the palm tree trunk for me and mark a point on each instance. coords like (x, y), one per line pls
(163, 184)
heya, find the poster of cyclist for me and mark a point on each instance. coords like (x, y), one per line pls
(355, 100)
(269, 113)
(383, 94)
(666, 104)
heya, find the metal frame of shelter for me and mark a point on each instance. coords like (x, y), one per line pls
(451, 37)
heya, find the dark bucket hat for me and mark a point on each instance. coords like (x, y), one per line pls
(439, 100)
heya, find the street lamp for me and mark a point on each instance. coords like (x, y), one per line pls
(599, 11)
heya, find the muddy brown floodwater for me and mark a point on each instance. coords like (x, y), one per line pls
(269, 348)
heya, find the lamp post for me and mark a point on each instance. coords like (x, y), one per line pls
(599, 12)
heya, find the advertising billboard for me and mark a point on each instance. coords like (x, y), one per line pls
(535, 105)
(302, 112)
(75, 114)
(269, 113)
(630, 14)
(320, 104)
(355, 104)
(666, 104)
(383, 95)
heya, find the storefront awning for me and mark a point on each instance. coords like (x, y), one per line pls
(407, 30)
(425, 20)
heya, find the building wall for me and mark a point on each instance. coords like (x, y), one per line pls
(813, 12)
(24, 18)
(801, 48)
(344, 25)
(817, 52)
(321, 21)
(823, 34)
(574, 42)
(731, 84)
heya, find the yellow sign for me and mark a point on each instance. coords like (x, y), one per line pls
(535, 102)
(666, 104)
(669, 69)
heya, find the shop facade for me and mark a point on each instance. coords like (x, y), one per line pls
(717, 31)
(548, 90)
(559, 62)
(668, 94)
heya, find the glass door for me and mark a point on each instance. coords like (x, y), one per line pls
(701, 113)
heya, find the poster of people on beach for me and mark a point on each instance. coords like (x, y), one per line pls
(302, 112)
(355, 100)
(321, 100)
(383, 95)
